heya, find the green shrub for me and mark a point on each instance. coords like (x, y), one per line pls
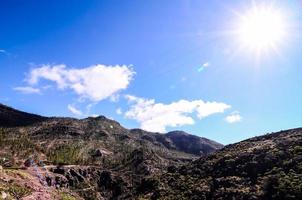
(284, 186)
(298, 149)
(66, 154)
(66, 196)
(20, 145)
(18, 191)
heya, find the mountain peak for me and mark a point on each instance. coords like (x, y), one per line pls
(178, 132)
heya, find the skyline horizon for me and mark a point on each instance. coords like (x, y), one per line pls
(173, 130)
(226, 71)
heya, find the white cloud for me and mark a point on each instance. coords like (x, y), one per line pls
(28, 90)
(86, 113)
(156, 117)
(114, 98)
(46, 87)
(233, 117)
(205, 109)
(74, 110)
(89, 106)
(96, 82)
(119, 111)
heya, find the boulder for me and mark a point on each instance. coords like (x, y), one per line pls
(105, 180)
(28, 162)
(98, 153)
(76, 175)
(3, 195)
(59, 170)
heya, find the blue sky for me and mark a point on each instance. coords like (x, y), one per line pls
(159, 65)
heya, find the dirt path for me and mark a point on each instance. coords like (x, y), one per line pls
(41, 192)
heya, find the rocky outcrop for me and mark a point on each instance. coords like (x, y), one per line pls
(99, 183)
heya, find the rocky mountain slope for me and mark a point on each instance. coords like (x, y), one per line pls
(92, 158)
(10, 117)
(265, 167)
(191, 143)
(97, 158)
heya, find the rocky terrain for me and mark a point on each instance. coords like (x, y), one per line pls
(265, 167)
(92, 158)
(97, 158)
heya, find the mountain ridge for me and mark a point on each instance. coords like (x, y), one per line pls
(10, 117)
(92, 151)
(170, 140)
(97, 158)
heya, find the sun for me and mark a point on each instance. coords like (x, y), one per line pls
(262, 28)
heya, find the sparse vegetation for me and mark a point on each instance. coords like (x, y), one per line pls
(66, 154)
(15, 190)
(98, 157)
(66, 196)
(17, 144)
(265, 167)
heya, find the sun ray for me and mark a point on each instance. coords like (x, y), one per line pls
(262, 28)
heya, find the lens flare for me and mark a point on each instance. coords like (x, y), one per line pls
(262, 28)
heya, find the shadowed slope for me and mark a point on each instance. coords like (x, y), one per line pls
(264, 167)
(10, 117)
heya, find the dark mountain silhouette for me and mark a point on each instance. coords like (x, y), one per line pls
(10, 117)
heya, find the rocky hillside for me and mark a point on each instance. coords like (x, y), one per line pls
(92, 158)
(97, 158)
(265, 167)
(192, 144)
(10, 117)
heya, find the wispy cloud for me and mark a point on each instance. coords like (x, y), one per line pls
(96, 83)
(74, 110)
(157, 117)
(119, 111)
(233, 117)
(114, 98)
(28, 90)
(86, 112)
(4, 52)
